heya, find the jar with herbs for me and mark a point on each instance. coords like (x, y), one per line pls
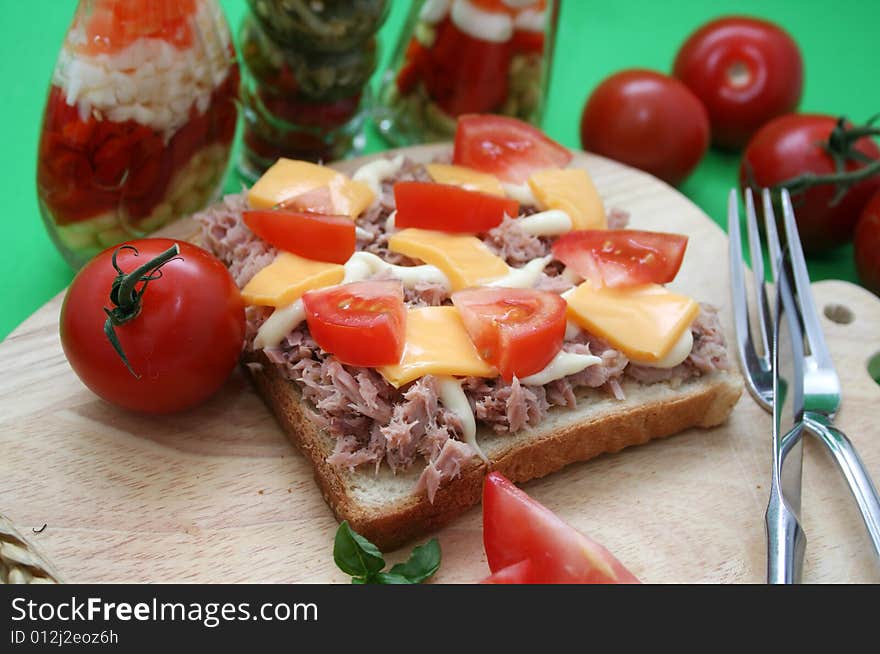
(466, 56)
(139, 121)
(306, 64)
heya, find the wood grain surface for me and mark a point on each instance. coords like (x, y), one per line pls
(218, 495)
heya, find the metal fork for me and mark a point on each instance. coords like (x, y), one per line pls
(822, 395)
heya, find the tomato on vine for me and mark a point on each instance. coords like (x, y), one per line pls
(830, 167)
(867, 245)
(153, 325)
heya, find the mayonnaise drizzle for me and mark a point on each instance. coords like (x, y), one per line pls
(679, 352)
(552, 222)
(525, 277)
(374, 173)
(562, 365)
(522, 193)
(282, 321)
(453, 397)
(363, 265)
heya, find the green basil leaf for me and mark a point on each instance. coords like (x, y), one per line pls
(358, 580)
(423, 562)
(354, 554)
(390, 578)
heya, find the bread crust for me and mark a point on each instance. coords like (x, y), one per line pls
(566, 436)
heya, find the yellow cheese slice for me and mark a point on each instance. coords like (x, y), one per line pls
(436, 344)
(288, 179)
(572, 191)
(467, 178)
(289, 276)
(350, 198)
(463, 258)
(644, 322)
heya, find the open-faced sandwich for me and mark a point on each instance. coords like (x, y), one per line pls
(414, 326)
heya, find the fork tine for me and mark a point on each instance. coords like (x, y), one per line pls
(765, 326)
(809, 314)
(754, 368)
(737, 281)
(774, 249)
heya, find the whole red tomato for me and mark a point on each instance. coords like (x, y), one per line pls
(647, 120)
(746, 71)
(867, 245)
(795, 144)
(182, 334)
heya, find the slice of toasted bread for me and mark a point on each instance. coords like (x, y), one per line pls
(386, 508)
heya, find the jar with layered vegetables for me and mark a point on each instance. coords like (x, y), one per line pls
(459, 57)
(306, 67)
(139, 121)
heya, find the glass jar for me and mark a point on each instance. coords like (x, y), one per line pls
(306, 65)
(466, 56)
(139, 121)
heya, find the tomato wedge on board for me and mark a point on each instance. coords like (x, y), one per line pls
(449, 208)
(506, 147)
(311, 235)
(518, 573)
(516, 528)
(517, 330)
(622, 257)
(362, 323)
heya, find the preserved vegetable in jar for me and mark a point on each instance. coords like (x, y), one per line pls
(139, 121)
(306, 68)
(467, 56)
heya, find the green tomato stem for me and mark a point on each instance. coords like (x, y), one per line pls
(125, 294)
(840, 146)
(807, 180)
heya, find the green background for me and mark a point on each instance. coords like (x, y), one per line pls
(838, 41)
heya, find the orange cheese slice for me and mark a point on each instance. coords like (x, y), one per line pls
(572, 191)
(436, 344)
(288, 179)
(644, 322)
(462, 176)
(289, 276)
(463, 258)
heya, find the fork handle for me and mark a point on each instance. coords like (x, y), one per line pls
(850, 464)
(786, 541)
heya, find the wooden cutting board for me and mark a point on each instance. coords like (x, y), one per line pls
(218, 495)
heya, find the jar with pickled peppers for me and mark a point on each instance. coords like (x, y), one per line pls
(306, 65)
(139, 121)
(466, 56)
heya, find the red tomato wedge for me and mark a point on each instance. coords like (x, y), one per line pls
(518, 528)
(622, 257)
(505, 147)
(449, 208)
(517, 330)
(518, 573)
(310, 235)
(362, 323)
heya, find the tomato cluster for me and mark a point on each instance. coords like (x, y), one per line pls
(729, 78)
(736, 82)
